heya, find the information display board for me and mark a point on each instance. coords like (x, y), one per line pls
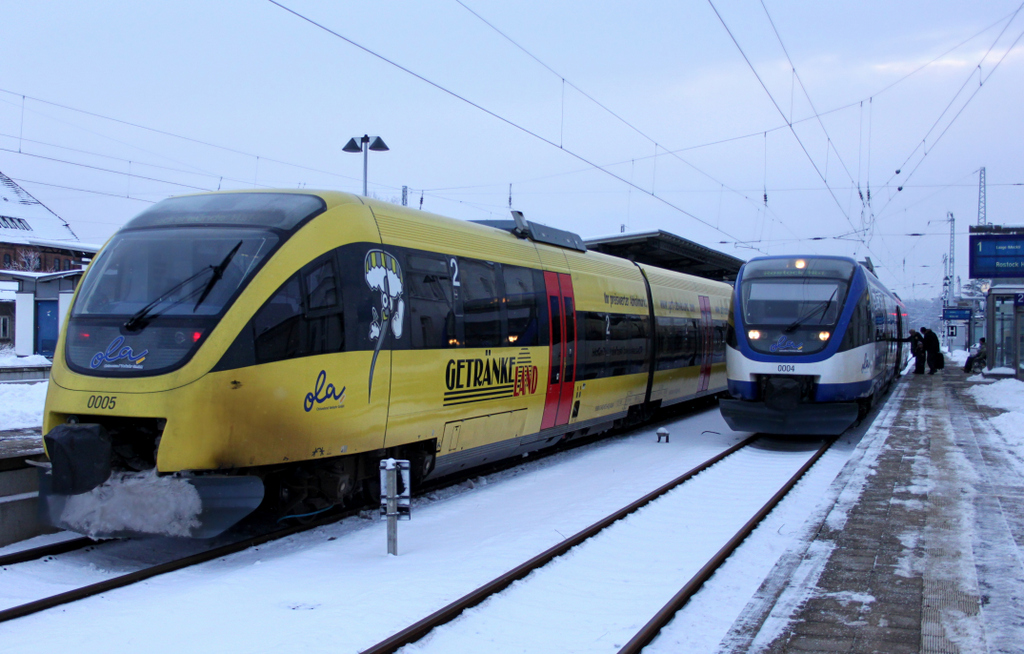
(956, 314)
(996, 255)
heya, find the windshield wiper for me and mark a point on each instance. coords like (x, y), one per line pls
(218, 272)
(146, 314)
(823, 308)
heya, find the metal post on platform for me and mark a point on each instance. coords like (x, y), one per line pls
(395, 497)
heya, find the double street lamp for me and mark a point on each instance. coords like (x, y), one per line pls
(364, 144)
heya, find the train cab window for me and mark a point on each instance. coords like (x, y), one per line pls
(521, 290)
(322, 285)
(278, 324)
(324, 319)
(481, 303)
(304, 317)
(431, 301)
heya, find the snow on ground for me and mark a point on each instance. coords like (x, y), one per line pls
(956, 358)
(21, 405)
(336, 590)
(1008, 395)
(8, 359)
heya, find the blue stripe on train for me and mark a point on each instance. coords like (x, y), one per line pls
(825, 392)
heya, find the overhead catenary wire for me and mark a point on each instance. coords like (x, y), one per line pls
(495, 115)
(779, 109)
(981, 83)
(931, 129)
(662, 153)
(792, 130)
(803, 88)
(814, 116)
(182, 137)
(23, 98)
(617, 116)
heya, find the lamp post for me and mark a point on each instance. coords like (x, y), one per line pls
(364, 144)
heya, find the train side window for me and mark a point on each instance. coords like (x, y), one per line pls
(324, 319)
(521, 295)
(858, 332)
(481, 303)
(618, 345)
(639, 331)
(592, 348)
(322, 285)
(278, 324)
(570, 340)
(431, 301)
(718, 350)
(669, 342)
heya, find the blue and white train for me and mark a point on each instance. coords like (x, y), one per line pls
(813, 341)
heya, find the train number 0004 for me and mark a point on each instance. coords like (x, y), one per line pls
(787, 367)
(101, 401)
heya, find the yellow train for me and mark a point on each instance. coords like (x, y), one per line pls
(229, 349)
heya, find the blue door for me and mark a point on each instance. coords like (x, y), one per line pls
(46, 327)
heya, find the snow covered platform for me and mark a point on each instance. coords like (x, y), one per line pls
(922, 550)
(17, 444)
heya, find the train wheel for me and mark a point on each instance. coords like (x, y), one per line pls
(864, 405)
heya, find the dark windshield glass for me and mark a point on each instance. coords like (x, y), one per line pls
(274, 210)
(172, 267)
(792, 305)
(785, 302)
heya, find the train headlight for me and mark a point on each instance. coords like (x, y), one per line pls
(753, 334)
(800, 264)
(823, 336)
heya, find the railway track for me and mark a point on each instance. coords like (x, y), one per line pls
(239, 545)
(236, 544)
(550, 596)
(130, 578)
(51, 549)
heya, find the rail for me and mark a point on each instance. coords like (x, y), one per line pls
(662, 617)
(420, 629)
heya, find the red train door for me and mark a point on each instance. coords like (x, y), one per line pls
(562, 330)
(707, 327)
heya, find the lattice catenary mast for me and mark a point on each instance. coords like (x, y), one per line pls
(982, 218)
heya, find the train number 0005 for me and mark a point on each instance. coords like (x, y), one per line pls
(101, 401)
(787, 367)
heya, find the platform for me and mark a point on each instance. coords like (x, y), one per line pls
(921, 550)
(19, 485)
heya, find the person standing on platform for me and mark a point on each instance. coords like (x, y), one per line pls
(933, 351)
(917, 349)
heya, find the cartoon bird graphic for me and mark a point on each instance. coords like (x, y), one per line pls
(384, 275)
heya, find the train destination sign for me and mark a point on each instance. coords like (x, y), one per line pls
(996, 255)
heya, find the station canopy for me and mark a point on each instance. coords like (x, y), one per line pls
(665, 250)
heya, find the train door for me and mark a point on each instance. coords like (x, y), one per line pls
(707, 329)
(562, 330)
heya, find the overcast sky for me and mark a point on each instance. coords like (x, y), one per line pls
(599, 114)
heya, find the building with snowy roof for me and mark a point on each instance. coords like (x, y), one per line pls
(41, 261)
